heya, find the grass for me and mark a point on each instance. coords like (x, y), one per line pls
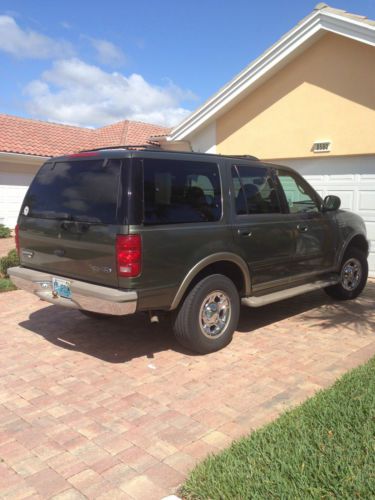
(6, 285)
(325, 448)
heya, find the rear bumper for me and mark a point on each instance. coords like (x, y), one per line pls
(86, 296)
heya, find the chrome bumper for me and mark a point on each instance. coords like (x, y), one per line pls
(85, 296)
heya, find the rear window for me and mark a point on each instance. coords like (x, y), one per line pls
(181, 191)
(77, 190)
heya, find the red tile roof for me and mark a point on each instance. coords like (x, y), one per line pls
(33, 137)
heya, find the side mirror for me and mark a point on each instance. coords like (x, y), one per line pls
(331, 203)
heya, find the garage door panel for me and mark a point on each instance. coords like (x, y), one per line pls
(366, 200)
(314, 178)
(10, 201)
(342, 179)
(370, 226)
(12, 193)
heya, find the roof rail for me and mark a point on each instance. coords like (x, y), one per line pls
(249, 157)
(155, 147)
(125, 146)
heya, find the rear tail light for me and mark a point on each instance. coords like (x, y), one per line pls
(17, 238)
(129, 255)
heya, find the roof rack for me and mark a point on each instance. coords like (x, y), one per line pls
(249, 157)
(125, 146)
(155, 147)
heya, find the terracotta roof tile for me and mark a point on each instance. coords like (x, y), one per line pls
(33, 137)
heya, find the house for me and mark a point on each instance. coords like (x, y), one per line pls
(26, 144)
(307, 102)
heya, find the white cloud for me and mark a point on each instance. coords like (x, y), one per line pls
(77, 93)
(29, 44)
(107, 52)
(66, 25)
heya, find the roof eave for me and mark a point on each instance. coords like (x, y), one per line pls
(307, 30)
(23, 157)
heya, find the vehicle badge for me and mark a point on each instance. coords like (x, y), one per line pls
(26, 210)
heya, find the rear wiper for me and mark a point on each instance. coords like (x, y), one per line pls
(52, 215)
(66, 217)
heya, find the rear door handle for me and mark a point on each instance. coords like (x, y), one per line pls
(302, 228)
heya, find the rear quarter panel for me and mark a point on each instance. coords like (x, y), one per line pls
(169, 252)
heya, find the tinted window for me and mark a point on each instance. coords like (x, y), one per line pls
(181, 191)
(299, 196)
(254, 191)
(80, 190)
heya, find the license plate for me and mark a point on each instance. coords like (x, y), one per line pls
(62, 288)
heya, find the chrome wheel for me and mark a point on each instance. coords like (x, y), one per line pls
(215, 314)
(351, 274)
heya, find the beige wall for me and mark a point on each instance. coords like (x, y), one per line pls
(327, 92)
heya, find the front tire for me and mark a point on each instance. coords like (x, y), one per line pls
(207, 318)
(353, 276)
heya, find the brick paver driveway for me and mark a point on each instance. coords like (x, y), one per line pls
(116, 409)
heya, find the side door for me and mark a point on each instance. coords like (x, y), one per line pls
(263, 234)
(181, 222)
(313, 229)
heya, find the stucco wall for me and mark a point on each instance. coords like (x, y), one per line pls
(327, 92)
(205, 140)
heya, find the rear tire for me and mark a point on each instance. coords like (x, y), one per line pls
(353, 276)
(207, 318)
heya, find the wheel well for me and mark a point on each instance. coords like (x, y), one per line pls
(228, 269)
(360, 243)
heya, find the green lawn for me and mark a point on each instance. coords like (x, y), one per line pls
(6, 285)
(324, 448)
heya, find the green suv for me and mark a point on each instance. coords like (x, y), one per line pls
(119, 230)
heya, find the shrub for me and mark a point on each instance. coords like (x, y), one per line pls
(5, 232)
(10, 260)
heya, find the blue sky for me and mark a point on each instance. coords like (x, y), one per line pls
(93, 63)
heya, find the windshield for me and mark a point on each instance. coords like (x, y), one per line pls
(78, 190)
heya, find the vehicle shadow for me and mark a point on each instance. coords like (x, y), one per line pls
(318, 310)
(111, 339)
(118, 340)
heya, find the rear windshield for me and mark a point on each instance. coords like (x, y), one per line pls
(78, 190)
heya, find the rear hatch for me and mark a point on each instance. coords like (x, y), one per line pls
(70, 217)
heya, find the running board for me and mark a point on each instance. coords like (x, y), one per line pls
(288, 293)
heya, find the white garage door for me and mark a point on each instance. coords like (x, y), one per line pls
(352, 179)
(13, 187)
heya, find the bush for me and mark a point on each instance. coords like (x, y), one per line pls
(10, 260)
(5, 232)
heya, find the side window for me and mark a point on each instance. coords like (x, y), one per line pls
(254, 190)
(297, 193)
(181, 191)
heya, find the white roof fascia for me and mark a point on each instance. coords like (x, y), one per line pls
(351, 28)
(22, 158)
(317, 21)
